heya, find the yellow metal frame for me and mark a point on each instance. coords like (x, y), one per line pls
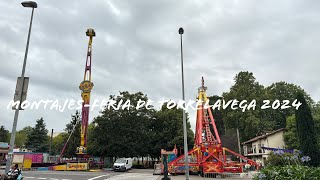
(86, 86)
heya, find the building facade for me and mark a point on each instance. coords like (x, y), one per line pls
(255, 147)
(4, 148)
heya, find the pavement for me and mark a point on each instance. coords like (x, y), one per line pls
(183, 177)
(248, 176)
(134, 174)
(196, 177)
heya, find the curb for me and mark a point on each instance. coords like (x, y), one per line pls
(95, 170)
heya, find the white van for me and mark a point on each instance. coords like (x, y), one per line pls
(122, 164)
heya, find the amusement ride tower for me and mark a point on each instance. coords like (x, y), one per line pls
(86, 86)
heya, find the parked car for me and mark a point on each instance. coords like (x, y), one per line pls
(122, 164)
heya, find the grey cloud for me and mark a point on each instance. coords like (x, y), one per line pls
(137, 48)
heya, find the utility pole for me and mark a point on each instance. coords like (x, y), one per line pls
(20, 90)
(238, 136)
(50, 141)
(239, 146)
(181, 31)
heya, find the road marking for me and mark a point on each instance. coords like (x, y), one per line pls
(42, 178)
(30, 177)
(98, 177)
(134, 176)
(66, 179)
(71, 173)
(53, 179)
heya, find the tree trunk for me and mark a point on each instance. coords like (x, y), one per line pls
(142, 162)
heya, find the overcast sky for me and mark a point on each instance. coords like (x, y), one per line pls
(136, 48)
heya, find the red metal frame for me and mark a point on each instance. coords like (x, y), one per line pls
(86, 87)
(208, 151)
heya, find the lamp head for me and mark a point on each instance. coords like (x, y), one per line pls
(181, 30)
(90, 32)
(31, 4)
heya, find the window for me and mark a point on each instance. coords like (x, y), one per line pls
(245, 150)
(259, 148)
(254, 149)
(120, 161)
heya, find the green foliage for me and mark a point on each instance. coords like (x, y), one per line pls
(38, 138)
(316, 117)
(22, 136)
(145, 131)
(136, 132)
(274, 160)
(228, 136)
(249, 123)
(74, 140)
(290, 136)
(259, 121)
(123, 133)
(4, 135)
(216, 113)
(282, 165)
(168, 130)
(284, 91)
(280, 158)
(58, 143)
(288, 172)
(306, 132)
(230, 140)
(316, 110)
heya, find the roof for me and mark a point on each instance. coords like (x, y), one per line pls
(5, 151)
(4, 145)
(263, 136)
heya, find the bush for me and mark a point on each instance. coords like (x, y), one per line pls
(138, 166)
(280, 158)
(288, 172)
(282, 165)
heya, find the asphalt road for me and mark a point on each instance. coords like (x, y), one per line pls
(134, 174)
(63, 175)
(76, 175)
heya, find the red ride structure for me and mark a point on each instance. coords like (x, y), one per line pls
(208, 154)
(86, 86)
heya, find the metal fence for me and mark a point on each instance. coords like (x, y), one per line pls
(226, 176)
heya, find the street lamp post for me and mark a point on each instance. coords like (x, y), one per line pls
(29, 4)
(184, 114)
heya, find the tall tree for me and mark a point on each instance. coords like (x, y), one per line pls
(249, 123)
(229, 137)
(22, 136)
(74, 140)
(4, 134)
(38, 138)
(316, 116)
(58, 143)
(252, 123)
(60, 140)
(290, 137)
(167, 130)
(123, 132)
(306, 131)
(217, 115)
(283, 91)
